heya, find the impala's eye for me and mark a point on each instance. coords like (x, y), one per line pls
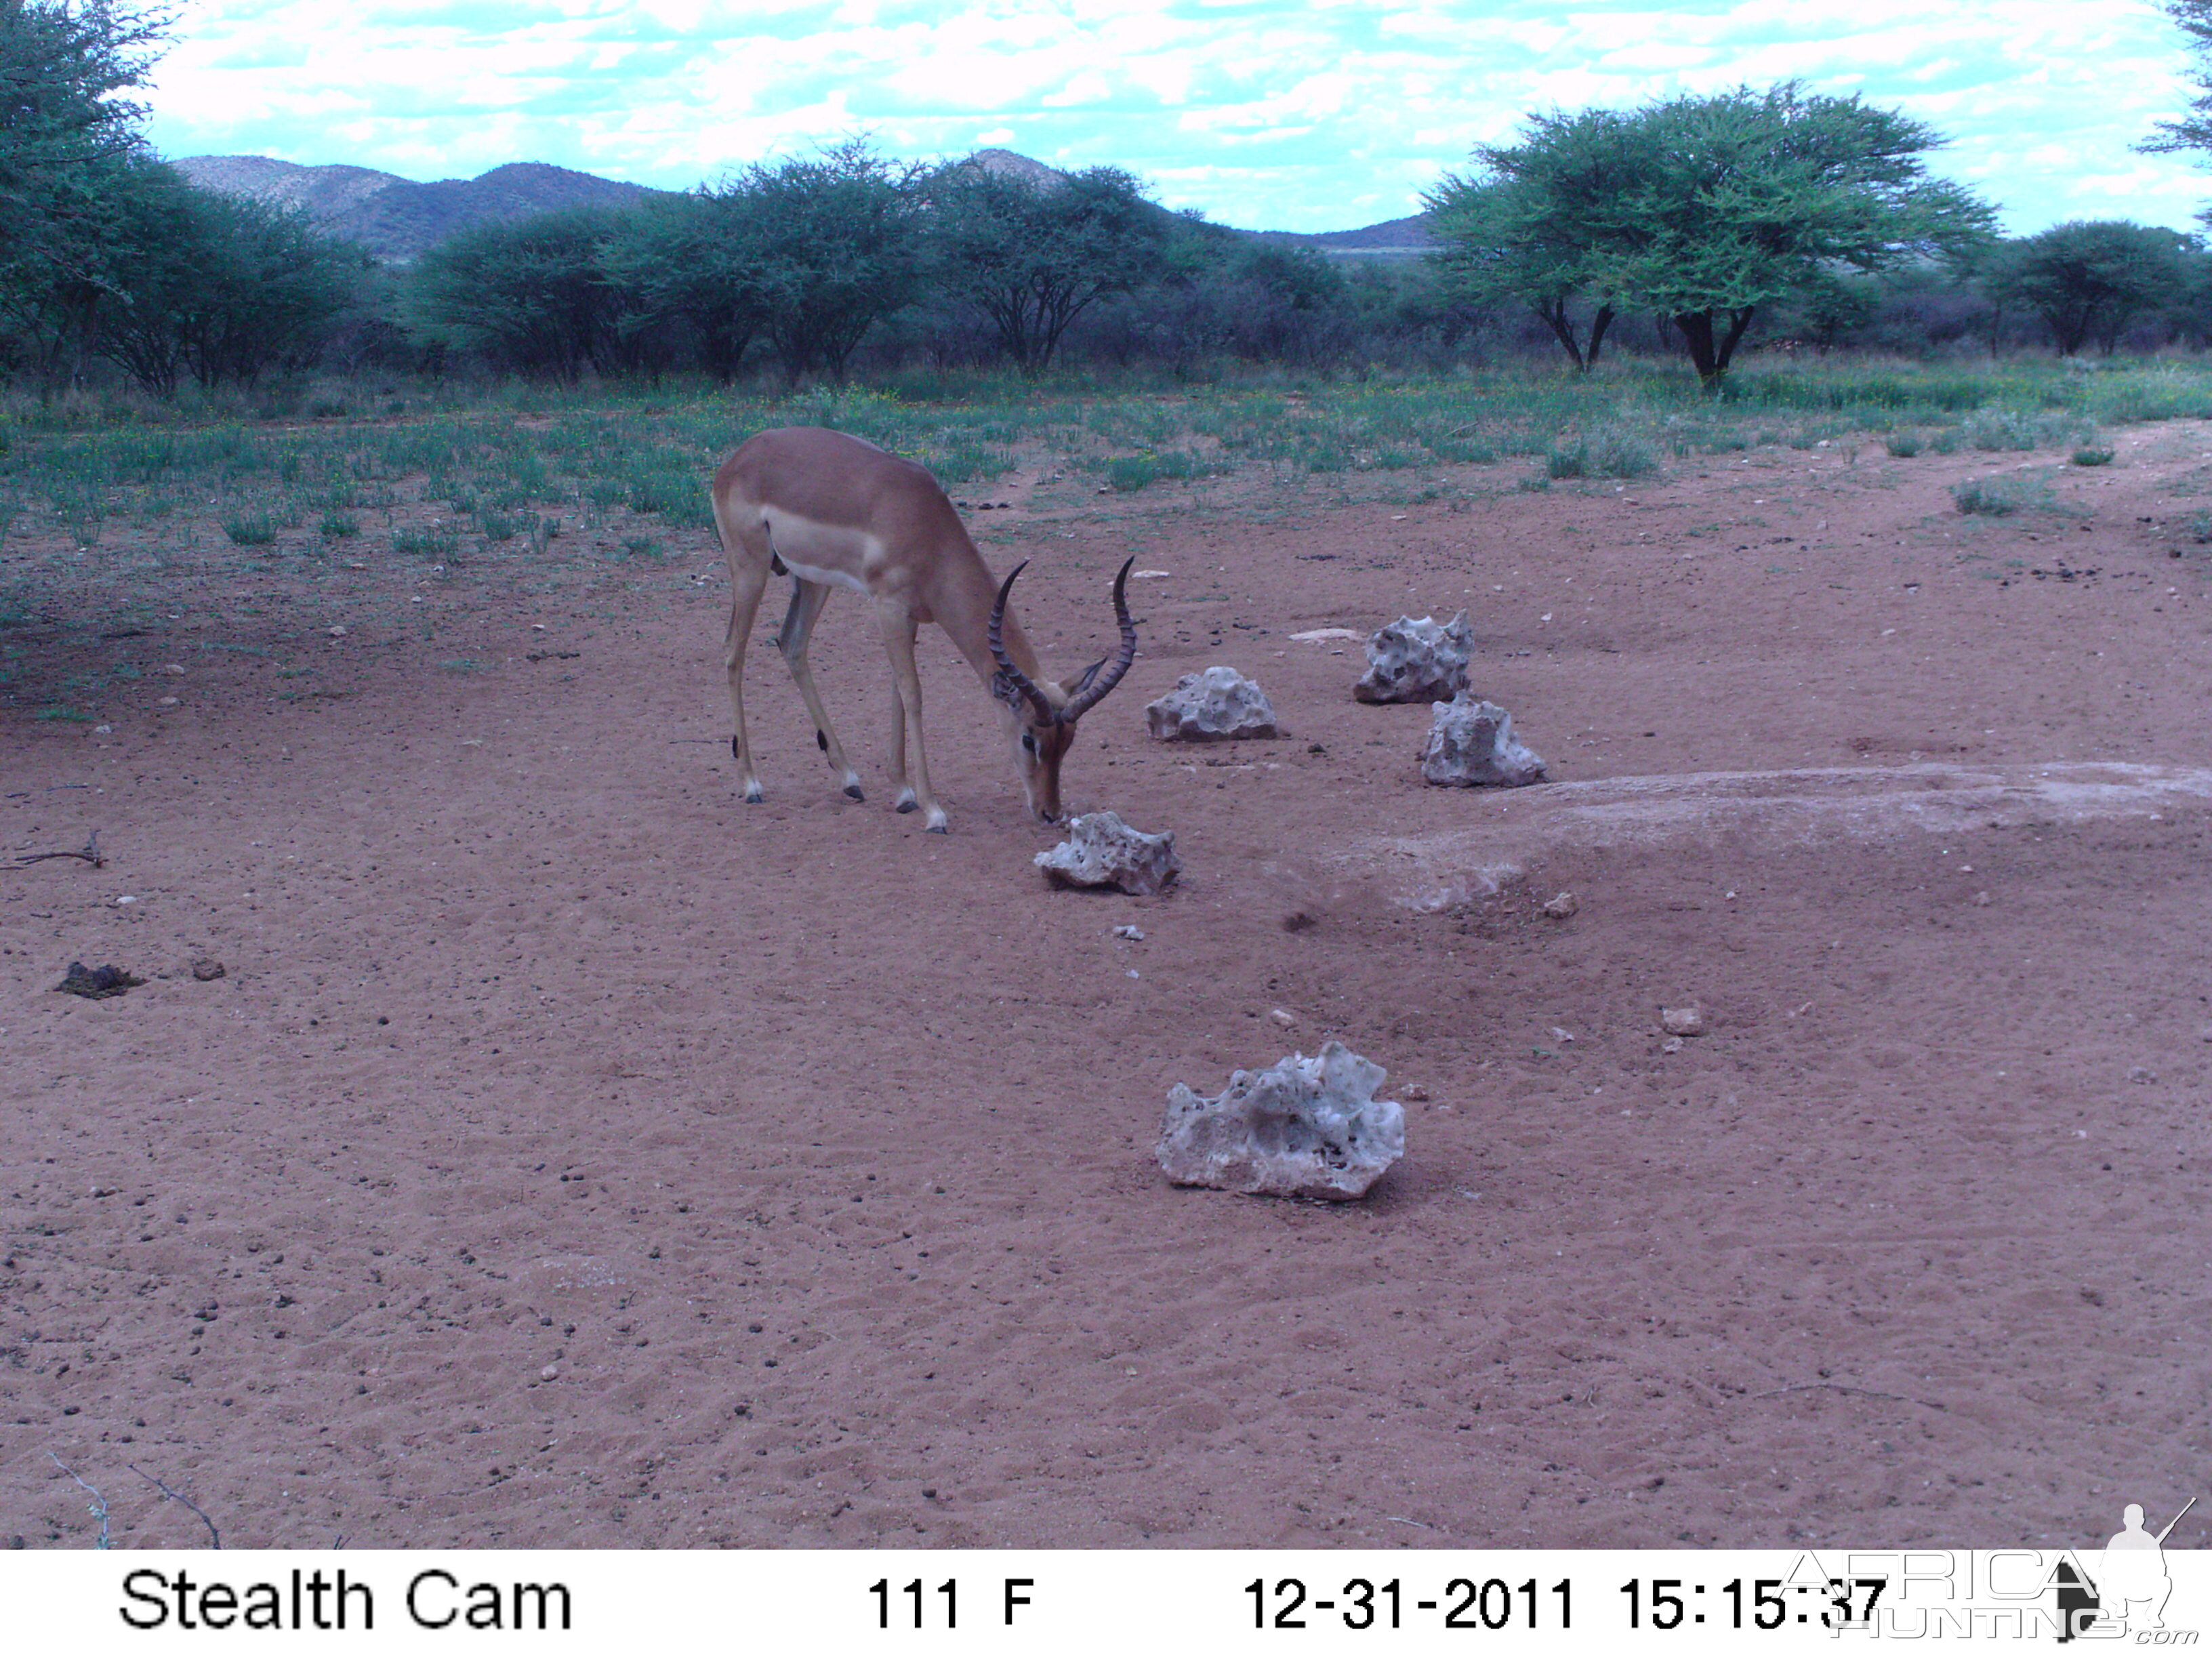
(1029, 742)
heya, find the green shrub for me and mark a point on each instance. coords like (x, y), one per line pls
(2092, 455)
(1618, 454)
(1135, 472)
(1903, 445)
(249, 529)
(435, 543)
(338, 524)
(678, 497)
(2005, 429)
(1999, 497)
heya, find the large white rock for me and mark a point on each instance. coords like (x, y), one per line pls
(1102, 851)
(1416, 659)
(1471, 742)
(1303, 1128)
(1211, 707)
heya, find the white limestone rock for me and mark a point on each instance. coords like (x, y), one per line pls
(1416, 659)
(1471, 742)
(1303, 1128)
(1211, 708)
(1102, 851)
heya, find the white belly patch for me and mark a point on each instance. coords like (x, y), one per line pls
(818, 553)
(815, 573)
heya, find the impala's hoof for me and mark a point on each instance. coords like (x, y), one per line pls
(753, 796)
(853, 790)
(909, 806)
(939, 830)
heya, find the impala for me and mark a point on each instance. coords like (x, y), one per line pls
(834, 511)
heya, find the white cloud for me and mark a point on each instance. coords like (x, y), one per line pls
(1313, 118)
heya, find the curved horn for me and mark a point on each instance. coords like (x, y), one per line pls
(1013, 675)
(1088, 693)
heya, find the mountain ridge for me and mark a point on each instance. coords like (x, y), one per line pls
(398, 219)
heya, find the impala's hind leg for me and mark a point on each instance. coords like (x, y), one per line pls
(747, 582)
(807, 599)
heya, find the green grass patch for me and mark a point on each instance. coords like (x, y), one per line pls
(2001, 497)
(434, 543)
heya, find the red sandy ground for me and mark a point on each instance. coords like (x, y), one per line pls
(572, 1155)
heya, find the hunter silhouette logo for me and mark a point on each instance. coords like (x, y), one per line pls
(2131, 1585)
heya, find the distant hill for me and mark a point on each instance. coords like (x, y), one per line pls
(1393, 239)
(398, 219)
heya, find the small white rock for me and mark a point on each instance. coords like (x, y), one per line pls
(1283, 1017)
(1416, 659)
(1102, 851)
(1471, 743)
(1688, 1021)
(1126, 931)
(1303, 1128)
(1211, 707)
(1562, 906)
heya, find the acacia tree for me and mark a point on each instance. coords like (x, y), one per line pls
(693, 262)
(1033, 255)
(2194, 129)
(1505, 235)
(1702, 209)
(66, 138)
(531, 295)
(838, 240)
(2089, 280)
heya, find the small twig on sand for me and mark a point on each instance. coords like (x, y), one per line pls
(1845, 1387)
(98, 1504)
(181, 1498)
(91, 855)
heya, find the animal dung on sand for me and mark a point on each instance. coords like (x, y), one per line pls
(1471, 742)
(1305, 1128)
(1102, 851)
(1416, 659)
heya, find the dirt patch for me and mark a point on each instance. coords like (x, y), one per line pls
(571, 1154)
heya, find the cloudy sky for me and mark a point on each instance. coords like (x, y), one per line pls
(1317, 115)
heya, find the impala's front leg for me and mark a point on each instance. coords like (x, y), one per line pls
(904, 801)
(898, 629)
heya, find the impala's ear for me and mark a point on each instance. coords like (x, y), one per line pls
(1076, 691)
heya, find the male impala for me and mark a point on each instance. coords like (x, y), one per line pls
(833, 510)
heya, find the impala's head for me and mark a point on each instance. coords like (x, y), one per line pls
(1041, 719)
